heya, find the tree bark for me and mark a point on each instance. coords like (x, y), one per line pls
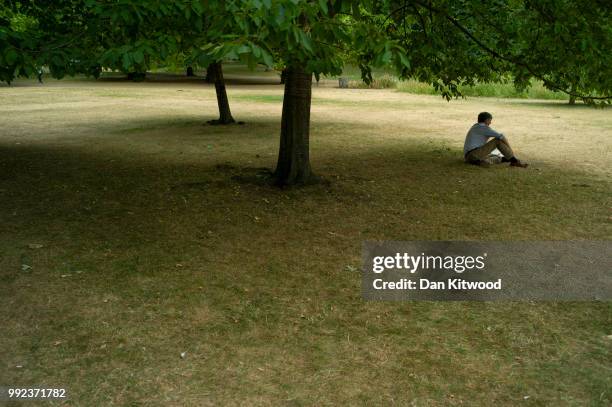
(209, 74)
(572, 98)
(283, 77)
(225, 115)
(293, 167)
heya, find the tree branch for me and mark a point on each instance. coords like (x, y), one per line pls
(496, 54)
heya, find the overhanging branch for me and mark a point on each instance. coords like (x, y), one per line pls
(514, 61)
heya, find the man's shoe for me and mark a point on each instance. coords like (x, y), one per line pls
(519, 164)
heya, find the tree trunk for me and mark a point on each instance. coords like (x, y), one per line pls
(225, 115)
(572, 99)
(136, 76)
(293, 165)
(210, 75)
(283, 77)
(190, 71)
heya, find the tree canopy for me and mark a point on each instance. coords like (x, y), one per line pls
(564, 43)
(447, 43)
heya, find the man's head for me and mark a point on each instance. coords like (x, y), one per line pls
(485, 118)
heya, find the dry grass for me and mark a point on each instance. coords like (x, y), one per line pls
(152, 246)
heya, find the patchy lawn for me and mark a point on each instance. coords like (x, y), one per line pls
(149, 235)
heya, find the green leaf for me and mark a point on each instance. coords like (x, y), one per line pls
(10, 56)
(204, 60)
(404, 59)
(127, 61)
(267, 58)
(138, 56)
(323, 5)
(196, 6)
(296, 34)
(279, 18)
(256, 51)
(243, 49)
(305, 40)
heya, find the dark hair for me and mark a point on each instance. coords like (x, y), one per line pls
(484, 116)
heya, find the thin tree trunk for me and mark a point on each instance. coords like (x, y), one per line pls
(225, 115)
(210, 75)
(293, 165)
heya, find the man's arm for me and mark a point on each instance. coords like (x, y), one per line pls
(489, 132)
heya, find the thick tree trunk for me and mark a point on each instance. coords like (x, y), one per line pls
(572, 99)
(225, 115)
(293, 165)
(283, 77)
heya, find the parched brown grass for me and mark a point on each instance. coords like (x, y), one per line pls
(156, 242)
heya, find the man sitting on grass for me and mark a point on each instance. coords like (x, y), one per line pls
(476, 148)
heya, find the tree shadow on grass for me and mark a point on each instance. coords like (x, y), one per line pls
(177, 255)
(83, 204)
(181, 127)
(168, 78)
(53, 174)
(556, 103)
